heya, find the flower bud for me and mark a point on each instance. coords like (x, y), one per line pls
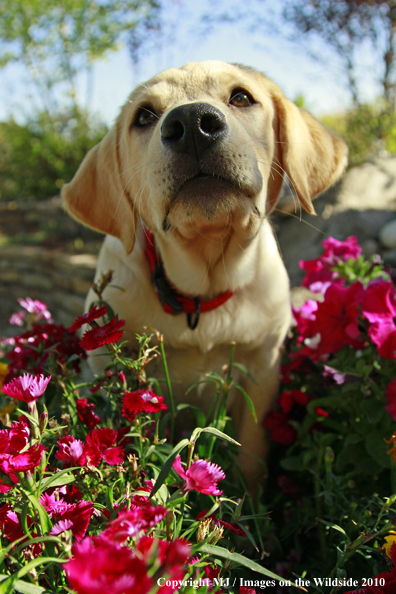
(43, 421)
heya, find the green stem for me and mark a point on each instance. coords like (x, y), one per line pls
(169, 388)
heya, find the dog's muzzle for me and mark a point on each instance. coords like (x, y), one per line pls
(193, 128)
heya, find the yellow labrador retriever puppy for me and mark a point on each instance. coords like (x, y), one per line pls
(183, 185)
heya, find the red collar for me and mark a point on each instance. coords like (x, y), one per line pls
(172, 301)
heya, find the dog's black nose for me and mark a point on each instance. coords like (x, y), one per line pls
(193, 128)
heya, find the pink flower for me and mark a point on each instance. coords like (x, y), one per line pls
(391, 398)
(171, 556)
(37, 308)
(107, 334)
(26, 388)
(12, 462)
(17, 319)
(93, 314)
(100, 566)
(85, 412)
(100, 444)
(379, 308)
(141, 517)
(319, 272)
(336, 319)
(202, 476)
(76, 518)
(72, 451)
(141, 401)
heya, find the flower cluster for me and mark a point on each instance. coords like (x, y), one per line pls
(76, 483)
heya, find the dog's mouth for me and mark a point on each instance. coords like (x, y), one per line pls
(210, 187)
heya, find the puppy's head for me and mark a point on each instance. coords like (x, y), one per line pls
(200, 150)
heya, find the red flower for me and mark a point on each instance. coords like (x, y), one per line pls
(100, 445)
(85, 411)
(202, 476)
(172, 556)
(280, 429)
(12, 529)
(379, 307)
(141, 401)
(142, 516)
(26, 388)
(31, 349)
(246, 590)
(73, 452)
(288, 400)
(319, 272)
(107, 334)
(12, 460)
(217, 522)
(101, 566)
(75, 517)
(93, 314)
(336, 320)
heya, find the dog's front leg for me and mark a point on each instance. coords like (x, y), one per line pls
(251, 435)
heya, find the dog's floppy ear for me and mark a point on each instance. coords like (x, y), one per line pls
(96, 195)
(313, 156)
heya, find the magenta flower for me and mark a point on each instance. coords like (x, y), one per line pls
(35, 307)
(93, 314)
(76, 518)
(86, 414)
(141, 401)
(100, 444)
(17, 319)
(319, 273)
(72, 451)
(98, 565)
(202, 476)
(140, 517)
(27, 387)
(12, 461)
(379, 308)
(107, 334)
(336, 322)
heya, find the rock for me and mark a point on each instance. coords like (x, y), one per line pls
(370, 247)
(390, 257)
(387, 235)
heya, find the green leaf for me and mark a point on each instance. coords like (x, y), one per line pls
(213, 431)
(372, 410)
(58, 479)
(377, 448)
(45, 521)
(165, 470)
(240, 559)
(248, 401)
(245, 371)
(199, 415)
(292, 463)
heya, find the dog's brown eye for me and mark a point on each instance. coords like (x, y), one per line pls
(145, 117)
(241, 98)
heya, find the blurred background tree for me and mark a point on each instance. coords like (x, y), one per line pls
(56, 43)
(348, 26)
